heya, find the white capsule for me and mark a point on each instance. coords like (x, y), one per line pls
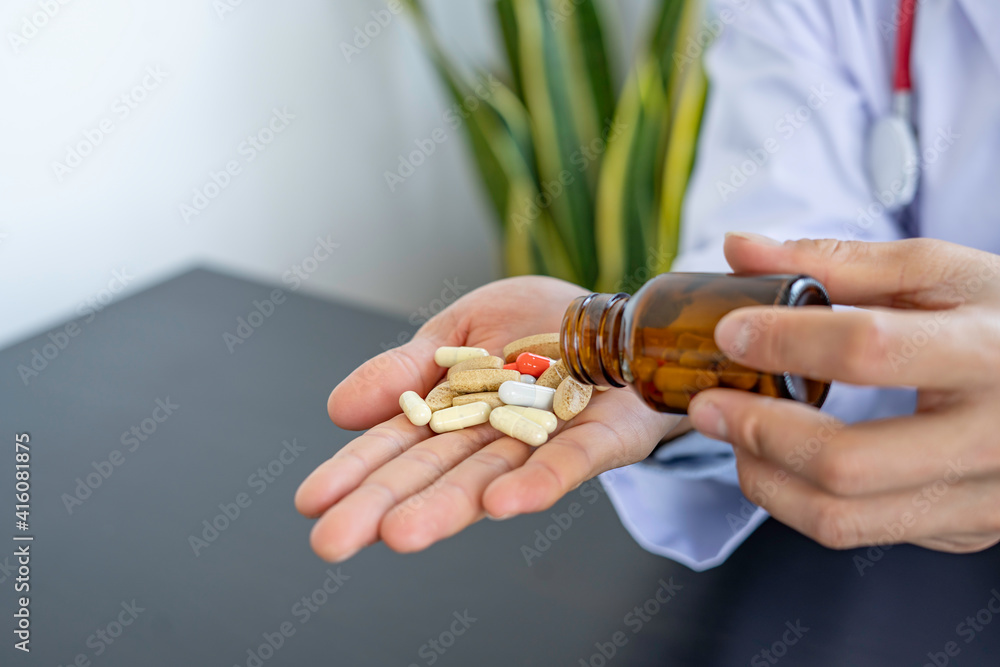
(449, 356)
(528, 379)
(460, 416)
(518, 426)
(527, 395)
(415, 409)
(545, 419)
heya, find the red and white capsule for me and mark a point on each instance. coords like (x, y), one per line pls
(532, 364)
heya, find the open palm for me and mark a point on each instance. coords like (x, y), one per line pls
(409, 487)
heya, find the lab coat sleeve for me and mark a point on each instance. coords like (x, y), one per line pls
(782, 154)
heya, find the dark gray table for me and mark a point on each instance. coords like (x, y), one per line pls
(115, 577)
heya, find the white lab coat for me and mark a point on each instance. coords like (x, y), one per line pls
(795, 88)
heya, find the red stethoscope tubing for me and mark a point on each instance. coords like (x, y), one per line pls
(902, 81)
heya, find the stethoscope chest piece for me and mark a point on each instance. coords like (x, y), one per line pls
(893, 161)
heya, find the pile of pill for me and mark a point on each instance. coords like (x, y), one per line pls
(521, 394)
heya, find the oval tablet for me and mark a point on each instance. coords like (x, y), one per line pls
(555, 374)
(571, 398)
(415, 409)
(518, 426)
(483, 379)
(546, 345)
(449, 356)
(527, 395)
(459, 417)
(490, 398)
(476, 363)
(440, 397)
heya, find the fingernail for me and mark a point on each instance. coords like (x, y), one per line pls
(502, 517)
(707, 418)
(732, 334)
(349, 555)
(759, 239)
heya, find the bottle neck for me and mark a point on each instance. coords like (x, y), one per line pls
(592, 340)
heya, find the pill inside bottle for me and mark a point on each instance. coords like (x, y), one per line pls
(661, 341)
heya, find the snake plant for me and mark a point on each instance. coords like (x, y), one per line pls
(586, 175)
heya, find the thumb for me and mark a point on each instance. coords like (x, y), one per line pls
(913, 273)
(370, 395)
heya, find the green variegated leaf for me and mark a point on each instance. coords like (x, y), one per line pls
(548, 101)
(570, 206)
(509, 33)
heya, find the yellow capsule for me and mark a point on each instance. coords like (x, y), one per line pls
(543, 418)
(460, 416)
(415, 409)
(449, 356)
(518, 426)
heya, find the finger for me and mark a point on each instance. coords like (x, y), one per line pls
(370, 395)
(915, 273)
(342, 473)
(352, 523)
(454, 501)
(918, 515)
(960, 543)
(864, 458)
(616, 429)
(870, 347)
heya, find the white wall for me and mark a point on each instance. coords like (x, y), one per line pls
(63, 239)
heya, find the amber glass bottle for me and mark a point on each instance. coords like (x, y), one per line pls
(662, 340)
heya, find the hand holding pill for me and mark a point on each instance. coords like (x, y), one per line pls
(410, 487)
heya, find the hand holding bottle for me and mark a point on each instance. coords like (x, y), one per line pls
(931, 320)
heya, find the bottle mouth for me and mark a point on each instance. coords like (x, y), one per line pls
(803, 291)
(590, 339)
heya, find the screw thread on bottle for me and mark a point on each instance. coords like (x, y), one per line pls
(592, 340)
